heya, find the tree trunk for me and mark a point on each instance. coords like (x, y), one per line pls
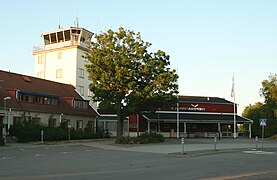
(120, 121)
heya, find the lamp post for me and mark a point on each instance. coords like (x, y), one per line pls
(6, 114)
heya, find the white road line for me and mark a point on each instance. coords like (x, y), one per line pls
(39, 155)
(259, 152)
(67, 152)
(6, 158)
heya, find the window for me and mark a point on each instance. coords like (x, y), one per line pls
(38, 99)
(80, 89)
(53, 38)
(79, 125)
(60, 36)
(52, 122)
(59, 73)
(67, 35)
(90, 125)
(40, 59)
(54, 101)
(80, 104)
(46, 39)
(81, 73)
(47, 100)
(90, 94)
(40, 74)
(60, 55)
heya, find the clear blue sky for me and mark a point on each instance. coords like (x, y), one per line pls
(207, 40)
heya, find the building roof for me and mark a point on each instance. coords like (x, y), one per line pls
(193, 117)
(28, 84)
(202, 99)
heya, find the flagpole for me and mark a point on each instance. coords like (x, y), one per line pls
(235, 123)
(178, 117)
(234, 96)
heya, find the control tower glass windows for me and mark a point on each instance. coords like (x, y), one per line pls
(46, 39)
(67, 35)
(60, 36)
(53, 38)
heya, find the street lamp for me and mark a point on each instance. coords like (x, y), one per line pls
(6, 115)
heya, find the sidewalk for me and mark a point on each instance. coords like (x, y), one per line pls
(191, 146)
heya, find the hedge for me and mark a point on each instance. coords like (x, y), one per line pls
(32, 132)
(144, 138)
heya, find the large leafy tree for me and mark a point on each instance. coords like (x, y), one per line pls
(267, 109)
(126, 77)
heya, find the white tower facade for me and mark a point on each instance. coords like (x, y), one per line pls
(61, 58)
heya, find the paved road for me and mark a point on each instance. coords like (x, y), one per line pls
(87, 161)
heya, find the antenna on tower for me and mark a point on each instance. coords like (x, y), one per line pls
(59, 22)
(77, 21)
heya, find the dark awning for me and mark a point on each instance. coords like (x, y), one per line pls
(193, 117)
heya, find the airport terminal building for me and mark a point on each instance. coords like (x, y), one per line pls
(196, 117)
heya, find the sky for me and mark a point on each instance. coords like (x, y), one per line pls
(208, 41)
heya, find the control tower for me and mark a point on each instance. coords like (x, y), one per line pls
(60, 58)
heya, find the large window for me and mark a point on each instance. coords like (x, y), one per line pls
(59, 73)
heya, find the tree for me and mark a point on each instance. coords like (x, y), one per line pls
(269, 92)
(266, 110)
(126, 77)
(254, 112)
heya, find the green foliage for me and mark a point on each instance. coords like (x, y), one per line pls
(266, 110)
(142, 139)
(2, 142)
(31, 132)
(125, 77)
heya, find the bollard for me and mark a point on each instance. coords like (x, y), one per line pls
(41, 135)
(215, 143)
(183, 143)
(256, 140)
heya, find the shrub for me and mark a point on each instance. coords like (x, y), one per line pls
(2, 142)
(144, 138)
(31, 132)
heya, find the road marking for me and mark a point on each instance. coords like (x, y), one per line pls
(39, 155)
(88, 150)
(22, 149)
(259, 152)
(5, 158)
(67, 152)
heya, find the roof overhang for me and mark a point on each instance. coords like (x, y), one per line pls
(194, 117)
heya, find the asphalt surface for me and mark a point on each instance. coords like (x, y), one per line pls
(103, 159)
